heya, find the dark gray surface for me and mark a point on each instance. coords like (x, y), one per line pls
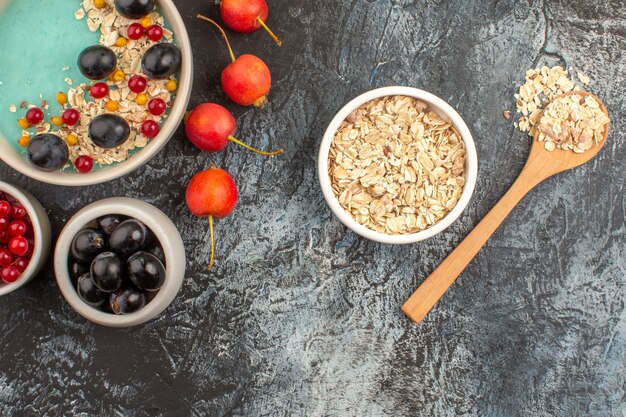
(300, 316)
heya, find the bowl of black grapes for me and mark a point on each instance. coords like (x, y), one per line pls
(119, 262)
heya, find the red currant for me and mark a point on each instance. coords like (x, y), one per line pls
(137, 84)
(155, 33)
(71, 117)
(17, 228)
(6, 257)
(150, 129)
(21, 263)
(5, 237)
(135, 31)
(84, 164)
(157, 106)
(34, 116)
(5, 208)
(18, 246)
(99, 90)
(9, 274)
(4, 223)
(18, 212)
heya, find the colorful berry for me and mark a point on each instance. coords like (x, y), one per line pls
(137, 84)
(142, 99)
(118, 76)
(150, 129)
(84, 164)
(71, 117)
(57, 120)
(5, 208)
(18, 212)
(6, 257)
(113, 106)
(157, 106)
(5, 237)
(21, 263)
(121, 42)
(24, 141)
(99, 90)
(71, 139)
(23, 123)
(61, 98)
(135, 31)
(146, 22)
(18, 246)
(17, 228)
(34, 116)
(171, 85)
(4, 223)
(154, 33)
(9, 274)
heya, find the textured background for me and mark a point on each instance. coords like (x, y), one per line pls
(300, 316)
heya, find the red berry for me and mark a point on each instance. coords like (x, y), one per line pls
(135, 31)
(150, 129)
(157, 106)
(5, 208)
(137, 84)
(155, 33)
(21, 263)
(4, 223)
(34, 116)
(18, 245)
(6, 257)
(71, 117)
(99, 90)
(5, 237)
(9, 274)
(18, 212)
(17, 228)
(84, 164)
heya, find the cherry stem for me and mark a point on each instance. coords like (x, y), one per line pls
(278, 41)
(212, 243)
(238, 142)
(230, 50)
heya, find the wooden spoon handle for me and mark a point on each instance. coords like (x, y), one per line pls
(435, 286)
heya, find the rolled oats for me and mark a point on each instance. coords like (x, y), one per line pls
(396, 167)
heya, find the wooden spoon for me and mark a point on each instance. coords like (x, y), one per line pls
(540, 165)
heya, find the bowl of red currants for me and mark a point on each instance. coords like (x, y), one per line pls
(24, 237)
(119, 262)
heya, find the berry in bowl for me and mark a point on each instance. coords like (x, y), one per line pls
(24, 237)
(119, 262)
(107, 99)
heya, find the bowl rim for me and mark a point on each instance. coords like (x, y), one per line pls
(444, 110)
(158, 223)
(20, 163)
(24, 199)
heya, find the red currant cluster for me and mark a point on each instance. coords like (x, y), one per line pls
(136, 31)
(16, 239)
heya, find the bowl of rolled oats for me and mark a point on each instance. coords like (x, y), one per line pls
(397, 165)
(122, 97)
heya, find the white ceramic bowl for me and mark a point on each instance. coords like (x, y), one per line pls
(42, 233)
(435, 104)
(165, 232)
(21, 164)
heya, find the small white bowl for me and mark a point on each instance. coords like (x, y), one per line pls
(435, 104)
(42, 234)
(165, 232)
(20, 162)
